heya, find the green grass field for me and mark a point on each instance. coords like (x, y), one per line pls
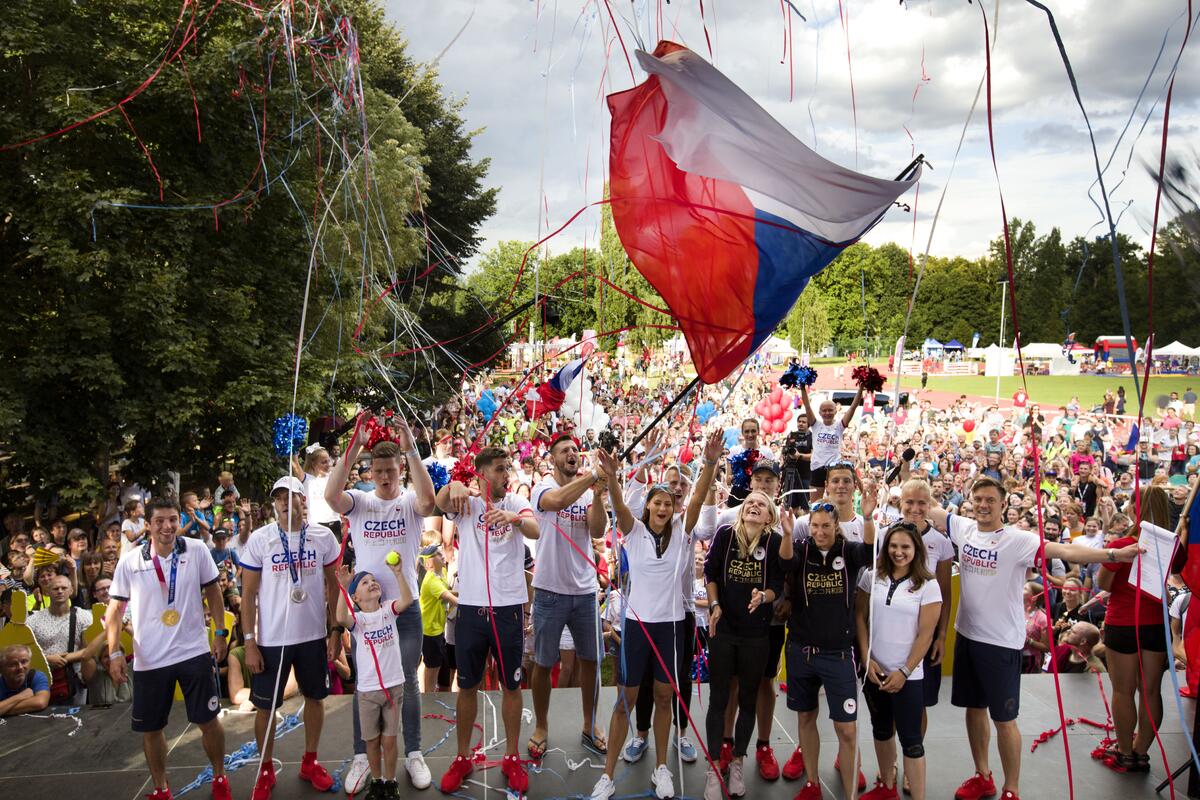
(1057, 390)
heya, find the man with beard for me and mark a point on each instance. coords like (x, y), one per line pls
(564, 585)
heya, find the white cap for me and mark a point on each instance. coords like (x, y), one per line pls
(293, 486)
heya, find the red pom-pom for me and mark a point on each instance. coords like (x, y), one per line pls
(464, 469)
(376, 432)
(868, 378)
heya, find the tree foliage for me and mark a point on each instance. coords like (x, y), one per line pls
(165, 336)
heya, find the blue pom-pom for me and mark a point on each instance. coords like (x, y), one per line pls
(797, 375)
(291, 432)
(437, 474)
(742, 465)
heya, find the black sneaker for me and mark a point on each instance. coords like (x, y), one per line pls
(375, 790)
(391, 790)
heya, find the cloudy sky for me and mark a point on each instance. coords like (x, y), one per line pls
(534, 74)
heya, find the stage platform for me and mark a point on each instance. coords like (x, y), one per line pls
(39, 761)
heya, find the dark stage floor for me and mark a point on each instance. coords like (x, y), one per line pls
(39, 761)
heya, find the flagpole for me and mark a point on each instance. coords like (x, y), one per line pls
(662, 415)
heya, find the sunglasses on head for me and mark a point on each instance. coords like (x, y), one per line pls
(825, 507)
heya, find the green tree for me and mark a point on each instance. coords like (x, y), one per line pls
(165, 338)
(807, 323)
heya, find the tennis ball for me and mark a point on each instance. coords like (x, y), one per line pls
(392, 558)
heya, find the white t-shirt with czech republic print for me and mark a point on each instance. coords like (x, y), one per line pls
(560, 567)
(156, 644)
(826, 442)
(991, 574)
(491, 555)
(280, 621)
(376, 527)
(375, 632)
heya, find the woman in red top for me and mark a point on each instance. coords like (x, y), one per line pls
(1134, 625)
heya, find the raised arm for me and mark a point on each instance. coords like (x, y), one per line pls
(335, 487)
(406, 598)
(848, 417)
(344, 616)
(597, 516)
(808, 409)
(699, 498)
(609, 465)
(418, 476)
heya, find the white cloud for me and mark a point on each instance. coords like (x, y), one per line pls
(535, 73)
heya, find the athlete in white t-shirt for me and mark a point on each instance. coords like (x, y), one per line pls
(379, 522)
(991, 624)
(493, 591)
(164, 582)
(564, 587)
(827, 435)
(289, 594)
(896, 617)
(660, 551)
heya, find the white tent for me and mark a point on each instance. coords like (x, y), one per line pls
(1042, 350)
(998, 360)
(1175, 349)
(774, 346)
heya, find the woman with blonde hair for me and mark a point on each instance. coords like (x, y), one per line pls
(314, 474)
(743, 578)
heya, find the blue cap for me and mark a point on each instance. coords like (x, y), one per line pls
(356, 580)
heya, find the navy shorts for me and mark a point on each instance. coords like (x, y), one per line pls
(986, 676)
(154, 693)
(637, 657)
(932, 682)
(309, 659)
(475, 639)
(433, 650)
(552, 612)
(807, 674)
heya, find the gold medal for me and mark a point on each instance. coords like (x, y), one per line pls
(170, 618)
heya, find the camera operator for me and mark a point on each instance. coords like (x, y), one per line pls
(797, 466)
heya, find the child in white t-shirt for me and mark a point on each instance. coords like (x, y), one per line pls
(380, 670)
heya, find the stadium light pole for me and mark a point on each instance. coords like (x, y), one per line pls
(1000, 370)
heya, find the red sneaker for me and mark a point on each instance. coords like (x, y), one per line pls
(312, 771)
(811, 791)
(160, 794)
(726, 756)
(220, 790)
(881, 792)
(975, 787)
(794, 767)
(265, 783)
(862, 779)
(460, 768)
(518, 780)
(768, 767)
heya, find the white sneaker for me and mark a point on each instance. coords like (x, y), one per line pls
(664, 783)
(735, 784)
(418, 771)
(604, 788)
(358, 774)
(712, 786)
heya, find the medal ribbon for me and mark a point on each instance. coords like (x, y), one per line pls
(162, 578)
(287, 554)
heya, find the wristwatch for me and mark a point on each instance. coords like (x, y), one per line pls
(221, 632)
(1112, 557)
(905, 671)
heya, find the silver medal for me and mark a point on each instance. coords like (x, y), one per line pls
(298, 595)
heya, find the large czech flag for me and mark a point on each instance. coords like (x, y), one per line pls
(726, 213)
